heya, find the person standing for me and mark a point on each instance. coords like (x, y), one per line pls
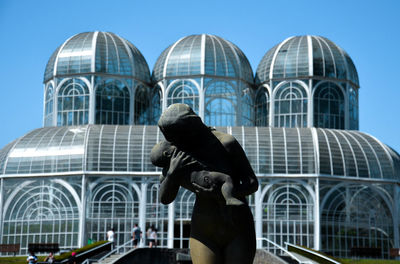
(137, 235)
(32, 259)
(50, 258)
(111, 237)
(148, 232)
(153, 238)
(72, 259)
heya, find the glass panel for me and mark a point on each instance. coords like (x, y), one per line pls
(290, 106)
(73, 103)
(185, 92)
(329, 106)
(112, 103)
(262, 108)
(220, 104)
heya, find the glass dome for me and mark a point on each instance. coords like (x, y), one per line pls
(203, 55)
(306, 56)
(271, 151)
(97, 78)
(97, 52)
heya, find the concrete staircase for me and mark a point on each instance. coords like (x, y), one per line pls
(109, 260)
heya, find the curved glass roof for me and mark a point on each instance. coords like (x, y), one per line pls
(305, 56)
(97, 52)
(203, 55)
(271, 151)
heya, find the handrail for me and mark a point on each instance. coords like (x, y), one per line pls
(87, 261)
(116, 250)
(313, 253)
(283, 249)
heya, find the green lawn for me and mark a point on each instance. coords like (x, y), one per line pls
(22, 260)
(368, 261)
(17, 260)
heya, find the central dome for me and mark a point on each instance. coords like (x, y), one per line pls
(203, 55)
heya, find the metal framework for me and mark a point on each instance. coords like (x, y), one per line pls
(332, 190)
(211, 75)
(325, 72)
(93, 78)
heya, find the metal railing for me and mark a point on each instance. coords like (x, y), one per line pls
(119, 249)
(320, 256)
(284, 250)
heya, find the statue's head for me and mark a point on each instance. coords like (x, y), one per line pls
(161, 154)
(180, 124)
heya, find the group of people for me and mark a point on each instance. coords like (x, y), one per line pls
(151, 236)
(32, 259)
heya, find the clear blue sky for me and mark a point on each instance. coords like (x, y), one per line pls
(368, 30)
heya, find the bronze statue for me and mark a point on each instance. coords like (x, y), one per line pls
(214, 166)
(199, 175)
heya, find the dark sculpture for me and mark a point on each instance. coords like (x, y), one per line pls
(214, 166)
(199, 174)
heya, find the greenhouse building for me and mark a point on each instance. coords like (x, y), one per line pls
(323, 184)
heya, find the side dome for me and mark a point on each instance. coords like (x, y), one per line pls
(306, 56)
(203, 55)
(97, 52)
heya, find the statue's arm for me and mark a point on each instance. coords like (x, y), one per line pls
(169, 187)
(242, 168)
(173, 176)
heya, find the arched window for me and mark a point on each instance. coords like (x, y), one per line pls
(112, 103)
(184, 92)
(41, 210)
(262, 108)
(113, 203)
(48, 107)
(157, 213)
(73, 103)
(353, 109)
(288, 215)
(247, 108)
(142, 107)
(356, 216)
(156, 105)
(220, 105)
(291, 106)
(329, 106)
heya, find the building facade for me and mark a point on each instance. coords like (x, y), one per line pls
(323, 184)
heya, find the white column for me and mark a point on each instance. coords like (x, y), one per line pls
(82, 219)
(271, 106)
(165, 98)
(132, 91)
(258, 216)
(201, 99)
(92, 102)
(55, 103)
(317, 227)
(142, 210)
(396, 217)
(171, 222)
(310, 110)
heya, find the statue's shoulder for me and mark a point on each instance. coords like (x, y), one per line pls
(227, 140)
